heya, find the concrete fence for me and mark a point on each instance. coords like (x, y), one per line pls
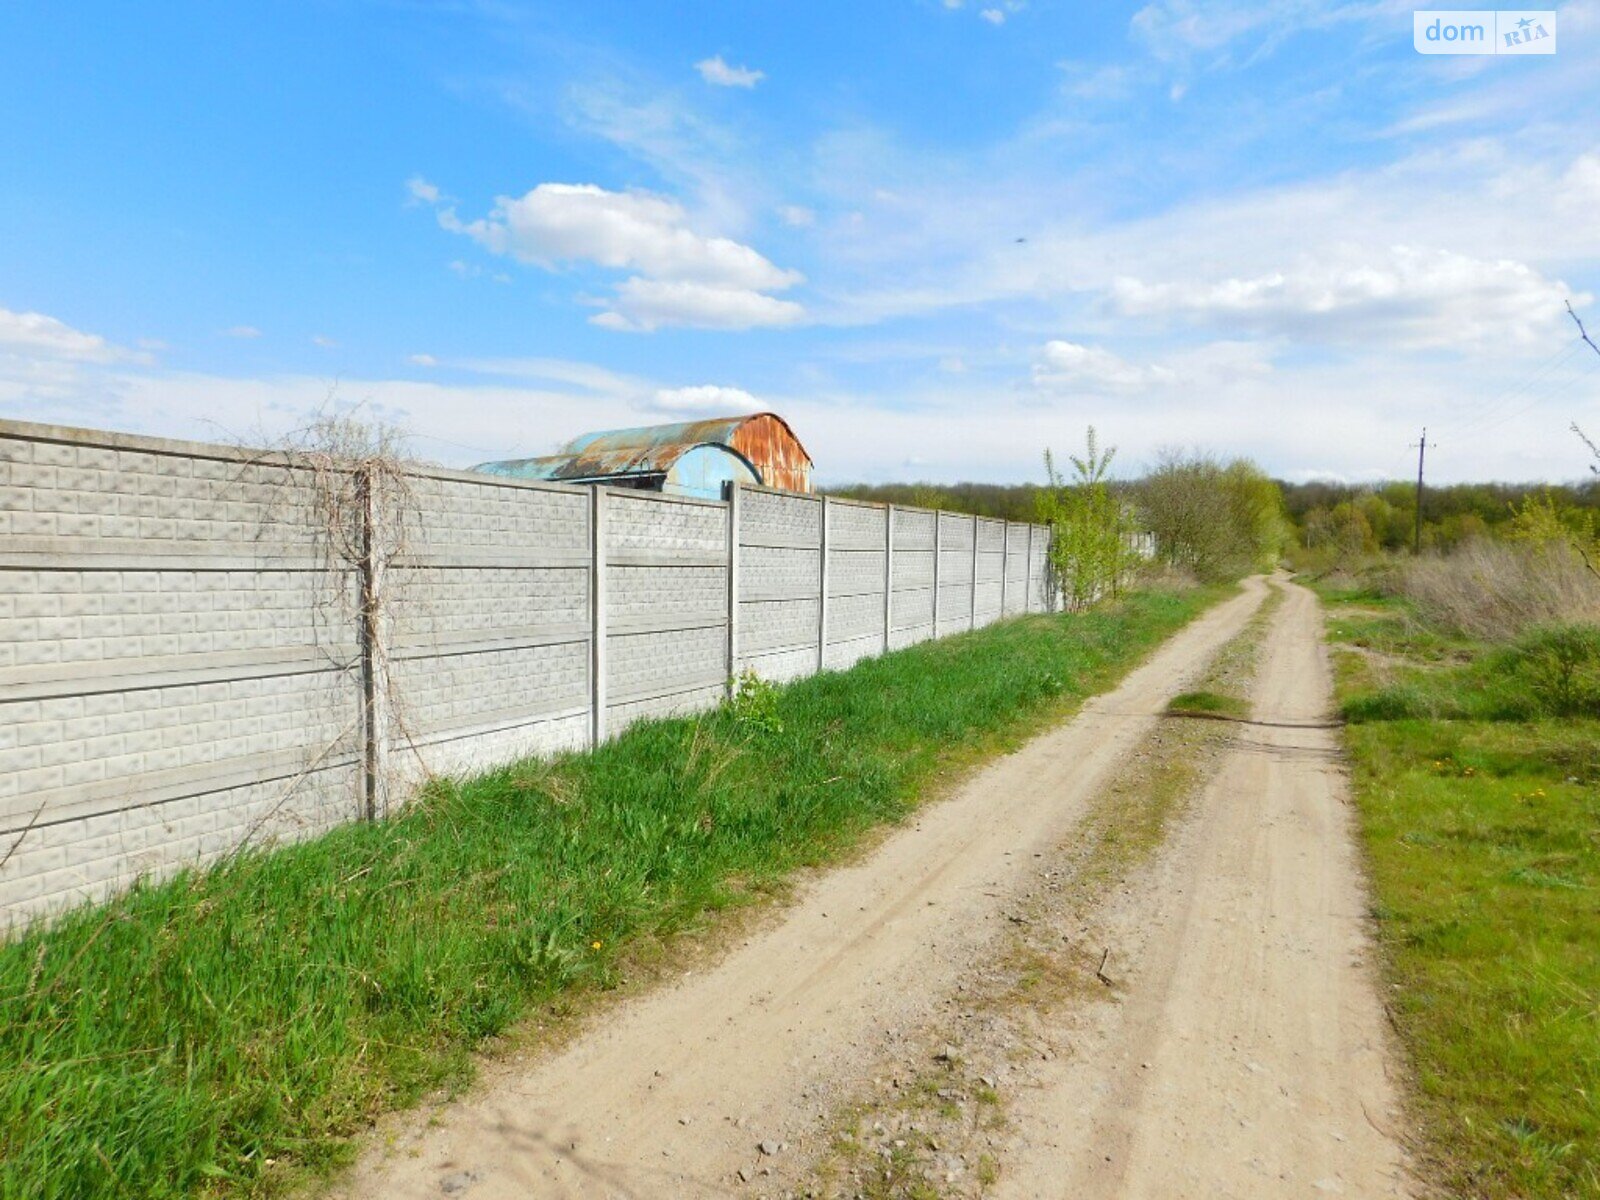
(202, 647)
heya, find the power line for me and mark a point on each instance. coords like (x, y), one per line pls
(1555, 388)
(1553, 361)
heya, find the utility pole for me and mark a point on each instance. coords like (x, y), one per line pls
(1422, 450)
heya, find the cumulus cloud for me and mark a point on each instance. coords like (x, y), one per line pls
(34, 335)
(705, 400)
(324, 341)
(1063, 364)
(643, 305)
(641, 231)
(423, 360)
(719, 74)
(797, 216)
(994, 16)
(1406, 296)
(683, 277)
(241, 331)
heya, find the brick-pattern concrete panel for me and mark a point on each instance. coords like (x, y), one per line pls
(855, 572)
(774, 519)
(444, 606)
(765, 626)
(449, 513)
(645, 521)
(776, 573)
(665, 593)
(913, 529)
(176, 661)
(844, 654)
(856, 526)
(856, 616)
(489, 605)
(680, 660)
(784, 666)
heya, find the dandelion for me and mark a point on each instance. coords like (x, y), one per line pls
(594, 945)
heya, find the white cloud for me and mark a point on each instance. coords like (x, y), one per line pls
(559, 370)
(1063, 364)
(241, 331)
(643, 305)
(718, 73)
(1579, 190)
(1179, 30)
(994, 16)
(705, 400)
(684, 277)
(1110, 81)
(423, 360)
(1407, 297)
(35, 335)
(422, 192)
(641, 231)
(324, 341)
(797, 216)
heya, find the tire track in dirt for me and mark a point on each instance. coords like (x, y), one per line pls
(680, 1091)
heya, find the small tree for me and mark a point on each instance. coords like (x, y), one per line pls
(1088, 555)
(1219, 520)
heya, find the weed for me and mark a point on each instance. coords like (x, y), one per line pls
(753, 702)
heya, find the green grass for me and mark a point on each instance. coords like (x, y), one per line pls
(228, 1031)
(1208, 704)
(1481, 820)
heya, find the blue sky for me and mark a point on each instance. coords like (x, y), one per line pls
(937, 236)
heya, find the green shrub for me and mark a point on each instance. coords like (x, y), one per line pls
(1561, 667)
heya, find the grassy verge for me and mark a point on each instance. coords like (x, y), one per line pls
(228, 1030)
(1481, 820)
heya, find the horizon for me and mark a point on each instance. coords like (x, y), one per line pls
(936, 236)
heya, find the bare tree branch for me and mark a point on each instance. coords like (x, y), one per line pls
(1582, 332)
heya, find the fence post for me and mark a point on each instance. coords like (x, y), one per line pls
(733, 583)
(888, 573)
(1028, 603)
(938, 553)
(1005, 564)
(822, 604)
(374, 650)
(972, 605)
(597, 614)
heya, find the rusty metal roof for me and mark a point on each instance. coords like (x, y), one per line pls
(594, 464)
(762, 440)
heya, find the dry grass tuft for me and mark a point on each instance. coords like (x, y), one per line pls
(1496, 590)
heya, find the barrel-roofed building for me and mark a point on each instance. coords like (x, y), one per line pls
(692, 458)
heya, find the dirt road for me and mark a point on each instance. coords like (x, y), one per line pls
(1262, 1038)
(1248, 1058)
